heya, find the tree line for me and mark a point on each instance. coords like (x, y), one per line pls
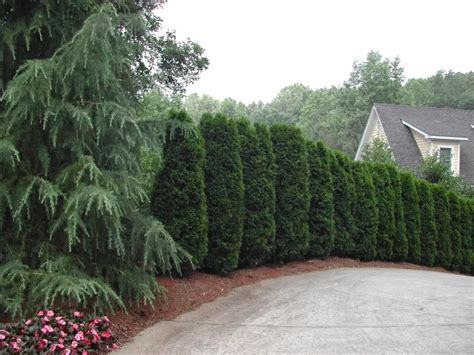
(337, 115)
(246, 194)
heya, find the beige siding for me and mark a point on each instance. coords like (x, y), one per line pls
(424, 145)
(378, 132)
(455, 150)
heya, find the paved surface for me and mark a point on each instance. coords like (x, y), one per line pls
(342, 310)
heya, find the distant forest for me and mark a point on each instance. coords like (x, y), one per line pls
(337, 115)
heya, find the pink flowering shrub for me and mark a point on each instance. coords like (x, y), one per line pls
(53, 333)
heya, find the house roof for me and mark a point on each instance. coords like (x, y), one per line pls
(436, 123)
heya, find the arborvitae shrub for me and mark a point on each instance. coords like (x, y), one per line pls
(466, 236)
(258, 235)
(224, 192)
(443, 226)
(178, 199)
(455, 230)
(428, 234)
(400, 243)
(321, 211)
(365, 213)
(385, 205)
(267, 188)
(292, 192)
(411, 210)
(343, 193)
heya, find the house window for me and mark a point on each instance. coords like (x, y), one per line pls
(445, 156)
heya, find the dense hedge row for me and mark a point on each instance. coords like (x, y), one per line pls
(274, 197)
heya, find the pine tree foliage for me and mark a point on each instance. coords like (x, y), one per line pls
(400, 243)
(365, 214)
(385, 205)
(321, 211)
(258, 236)
(179, 199)
(343, 195)
(428, 234)
(224, 192)
(292, 193)
(70, 184)
(411, 208)
(443, 226)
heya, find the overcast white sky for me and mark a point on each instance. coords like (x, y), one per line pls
(257, 47)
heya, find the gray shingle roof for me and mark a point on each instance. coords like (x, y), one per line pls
(433, 121)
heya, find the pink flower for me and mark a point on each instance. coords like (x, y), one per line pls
(106, 334)
(50, 313)
(42, 343)
(77, 314)
(28, 322)
(45, 319)
(47, 329)
(40, 313)
(66, 351)
(61, 341)
(115, 346)
(79, 336)
(75, 327)
(62, 334)
(61, 322)
(106, 319)
(84, 352)
(74, 344)
(59, 346)
(2, 337)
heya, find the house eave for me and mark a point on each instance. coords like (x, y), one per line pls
(429, 136)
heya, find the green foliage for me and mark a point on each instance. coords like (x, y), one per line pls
(467, 231)
(292, 192)
(178, 199)
(378, 151)
(411, 208)
(428, 233)
(365, 213)
(321, 211)
(69, 126)
(400, 243)
(224, 192)
(343, 195)
(455, 230)
(259, 227)
(386, 207)
(443, 226)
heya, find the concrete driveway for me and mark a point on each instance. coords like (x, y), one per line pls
(357, 310)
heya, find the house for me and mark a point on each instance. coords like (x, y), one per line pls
(414, 133)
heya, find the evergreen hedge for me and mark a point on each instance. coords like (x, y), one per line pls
(428, 234)
(365, 213)
(411, 210)
(343, 193)
(399, 238)
(321, 211)
(443, 226)
(466, 236)
(385, 205)
(178, 199)
(292, 193)
(455, 230)
(224, 192)
(259, 231)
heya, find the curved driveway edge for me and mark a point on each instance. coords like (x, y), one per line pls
(356, 310)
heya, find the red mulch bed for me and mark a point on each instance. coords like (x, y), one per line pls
(186, 294)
